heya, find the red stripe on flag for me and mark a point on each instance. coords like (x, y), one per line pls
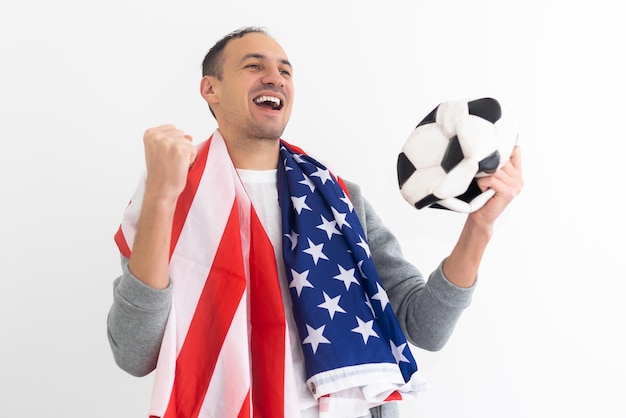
(344, 186)
(245, 407)
(120, 240)
(186, 197)
(394, 396)
(268, 325)
(216, 307)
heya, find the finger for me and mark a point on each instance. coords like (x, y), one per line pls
(160, 128)
(513, 166)
(167, 130)
(483, 183)
(507, 181)
(193, 155)
(160, 133)
(516, 157)
(190, 149)
(175, 133)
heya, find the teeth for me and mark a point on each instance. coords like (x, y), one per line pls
(262, 99)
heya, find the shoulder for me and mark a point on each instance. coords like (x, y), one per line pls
(361, 207)
(354, 189)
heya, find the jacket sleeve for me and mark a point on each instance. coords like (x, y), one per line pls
(136, 322)
(427, 310)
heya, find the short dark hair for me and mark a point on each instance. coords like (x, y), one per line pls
(213, 60)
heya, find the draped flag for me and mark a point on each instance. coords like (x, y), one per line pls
(225, 351)
(355, 352)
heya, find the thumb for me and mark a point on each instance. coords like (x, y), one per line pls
(193, 155)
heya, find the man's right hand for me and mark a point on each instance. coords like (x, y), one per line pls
(168, 153)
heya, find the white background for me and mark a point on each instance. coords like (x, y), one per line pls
(81, 81)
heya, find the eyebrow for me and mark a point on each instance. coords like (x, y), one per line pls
(263, 57)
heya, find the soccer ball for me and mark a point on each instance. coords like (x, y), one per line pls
(456, 143)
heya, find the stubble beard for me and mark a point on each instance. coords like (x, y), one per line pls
(245, 126)
(265, 132)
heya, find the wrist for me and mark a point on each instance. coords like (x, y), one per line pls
(160, 201)
(477, 227)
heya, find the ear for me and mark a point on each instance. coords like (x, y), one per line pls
(208, 89)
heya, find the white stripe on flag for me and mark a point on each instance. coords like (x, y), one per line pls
(231, 379)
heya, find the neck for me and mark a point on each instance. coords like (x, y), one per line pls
(253, 153)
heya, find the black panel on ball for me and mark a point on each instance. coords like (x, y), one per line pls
(427, 201)
(453, 155)
(405, 169)
(486, 108)
(430, 118)
(472, 192)
(490, 163)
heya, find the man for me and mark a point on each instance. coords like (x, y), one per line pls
(160, 311)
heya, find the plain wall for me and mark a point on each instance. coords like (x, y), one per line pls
(81, 81)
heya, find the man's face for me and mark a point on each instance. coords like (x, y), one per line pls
(256, 90)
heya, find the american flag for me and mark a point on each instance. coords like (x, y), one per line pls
(225, 352)
(348, 330)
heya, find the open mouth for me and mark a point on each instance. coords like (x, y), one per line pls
(271, 102)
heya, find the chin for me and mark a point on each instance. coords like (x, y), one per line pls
(268, 132)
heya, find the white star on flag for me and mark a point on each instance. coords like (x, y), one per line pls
(330, 227)
(293, 237)
(397, 352)
(324, 175)
(307, 182)
(331, 305)
(299, 203)
(298, 158)
(360, 265)
(364, 245)
(365, 329)
(346, 276)
(300, 280)
(381, 296)
(340, 218)
(315, 337)
(347, 201)
(315, 250)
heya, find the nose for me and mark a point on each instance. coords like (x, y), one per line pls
(273, 77)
